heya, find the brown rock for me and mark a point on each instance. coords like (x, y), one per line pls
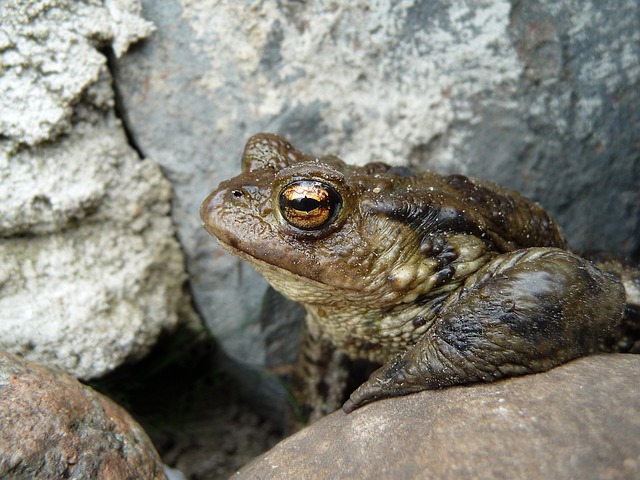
(580, 420)
(52, 426)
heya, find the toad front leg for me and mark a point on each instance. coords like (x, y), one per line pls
(524, 312)
(319, 378)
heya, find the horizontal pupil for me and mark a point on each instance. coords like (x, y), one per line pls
(305, 204)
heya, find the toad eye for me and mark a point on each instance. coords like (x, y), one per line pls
(308, 204)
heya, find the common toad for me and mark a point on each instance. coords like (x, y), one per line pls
(442, 280)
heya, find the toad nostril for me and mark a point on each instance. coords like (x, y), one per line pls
(237, 193)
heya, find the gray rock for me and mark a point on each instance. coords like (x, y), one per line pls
(542, 96)
(49, 60)
(579, 420)
(91, 273)
(52, 426)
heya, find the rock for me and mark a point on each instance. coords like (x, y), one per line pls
(542, 96)
(91, 271)
(50, 60)
(54, 427)
(579, 420)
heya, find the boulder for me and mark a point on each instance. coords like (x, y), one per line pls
(91, 272)
(52, 426)
(579, 420)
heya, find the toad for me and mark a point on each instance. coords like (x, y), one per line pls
(439, 280)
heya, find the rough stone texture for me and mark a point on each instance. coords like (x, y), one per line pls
(580, 420)
(49, 59)
(54, 427)
(542, 96)
(91, 272)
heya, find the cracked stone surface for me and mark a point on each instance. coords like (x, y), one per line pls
(542, 96)
(50, 58)
(91, 271)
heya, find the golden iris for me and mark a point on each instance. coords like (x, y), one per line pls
(309, 204)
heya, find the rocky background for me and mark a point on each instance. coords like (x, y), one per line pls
(541, 96)
(117, 118)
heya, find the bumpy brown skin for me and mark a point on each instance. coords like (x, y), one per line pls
(441, 279)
